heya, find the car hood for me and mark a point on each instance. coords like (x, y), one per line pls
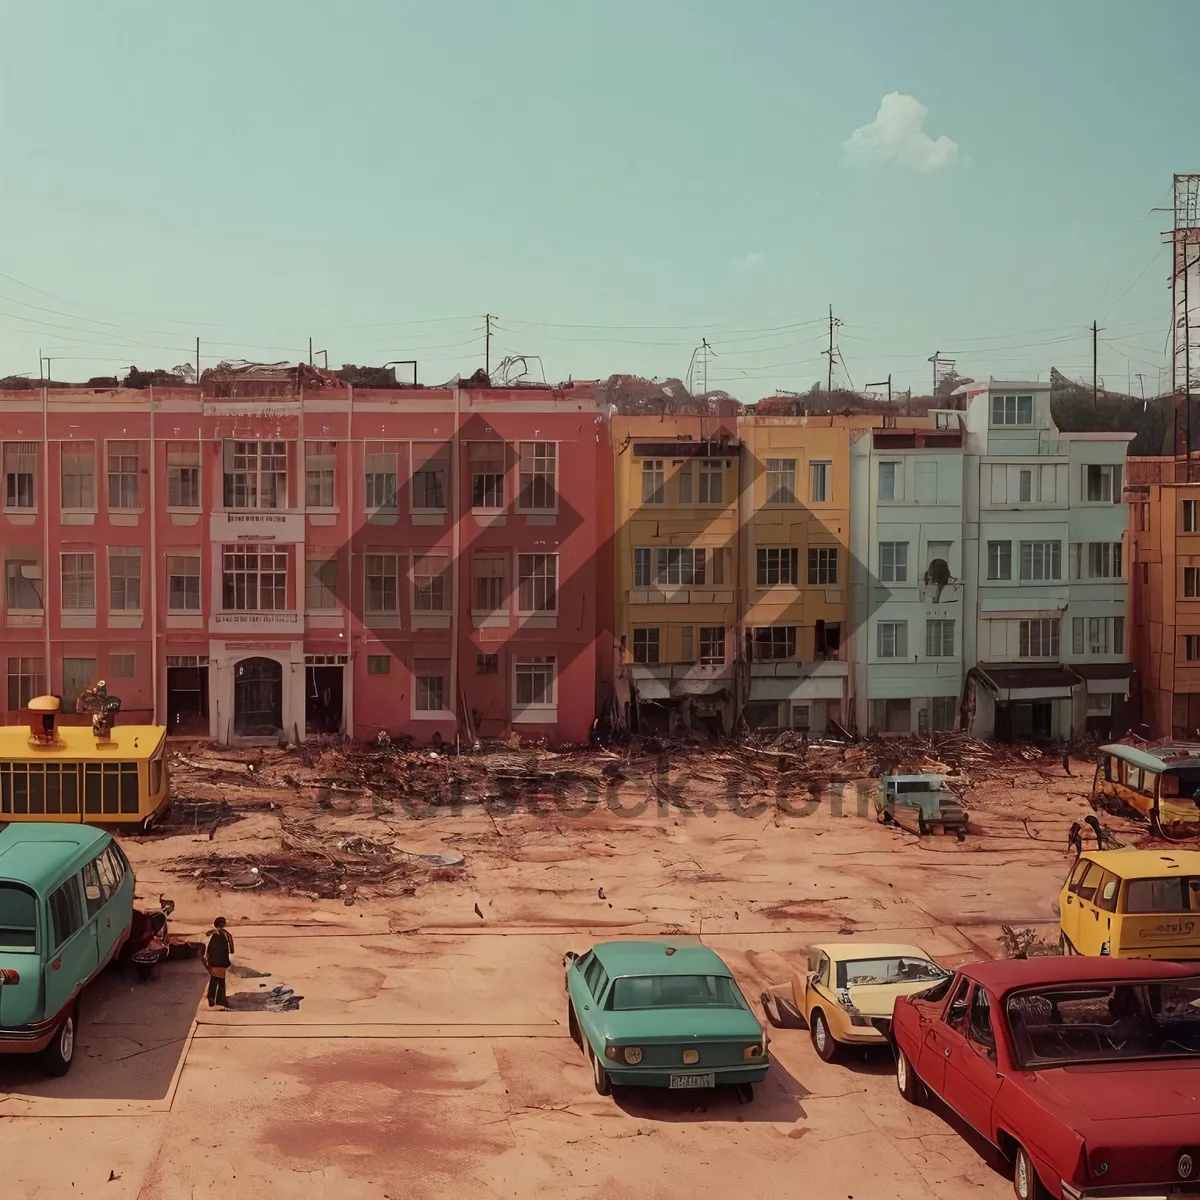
(1126, 1091)
(651, 1025)
(878, 999)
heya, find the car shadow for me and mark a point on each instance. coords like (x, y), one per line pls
(971, 1136)
(776, 1099)
(132, 1031)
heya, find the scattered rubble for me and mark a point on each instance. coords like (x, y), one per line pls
(1026, 943)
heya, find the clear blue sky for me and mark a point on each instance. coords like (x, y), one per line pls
(380, 174)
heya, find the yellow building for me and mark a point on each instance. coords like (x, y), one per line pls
(795, 569)
(676, 497)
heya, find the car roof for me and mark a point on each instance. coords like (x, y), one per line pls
(849, 951)
(40, 853)
(77, 743)
(651, 958)
(1010, 974)
(1141, 864)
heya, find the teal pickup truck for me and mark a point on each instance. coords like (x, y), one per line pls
(66, 910)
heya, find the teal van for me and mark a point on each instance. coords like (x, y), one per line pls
(66, 909)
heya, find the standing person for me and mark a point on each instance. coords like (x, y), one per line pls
(217, 956)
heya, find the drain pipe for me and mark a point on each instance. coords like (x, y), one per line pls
(46, 532)
(456, 547)
(153, 569)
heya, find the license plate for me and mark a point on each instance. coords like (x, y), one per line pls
(694, 1081)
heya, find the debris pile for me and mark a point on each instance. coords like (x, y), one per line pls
(1026, 943)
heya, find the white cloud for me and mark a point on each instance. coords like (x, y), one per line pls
(897, 136)
(749, 262)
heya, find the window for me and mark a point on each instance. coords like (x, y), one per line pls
(487, 664)
(430, 686)
(685, 483)
(892, 639)
(1099, 704)
(819, 480)
(255, 475)
(653, 481)
(641, 567)
(712, 645)
(19, 463)
(683, 567)
(381, 489)
(1098, 635)
(537, 576)
(1012, 410)
(183, 583)
(66, 911)
(253, 579)
(939, 639)
(487, 475)
(774, 643)
(379, 474)
(1041, 560)
(379, 664)
(183, 474)
(124, 581)
(999, 560)
(26, 679)
(429, 480)
(1191, 582)
(1024, 485)
(1102, 484)
(490, 573)
(536, 682)
(79, 582)
(123, 475)
(887, 480)
(122, 666)
(822, 567)
(79, 475)
(646, 645)
(1096, 560)
(23, 585)
(712, 481)
(538, 477)
(112, 871)
(893, 562)
(777, 567)
(383, 593)
(320, 584)
(1189, 516)
(1191, 650)
(1039, 638)
(943, 712)
(431, 584)
(319, 464)
(781, 481)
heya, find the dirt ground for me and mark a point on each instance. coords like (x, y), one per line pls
(429, 1054)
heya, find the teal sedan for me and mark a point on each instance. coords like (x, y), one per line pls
(655, 1015)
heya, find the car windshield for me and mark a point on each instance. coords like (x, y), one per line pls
(674, 991)
(900, 969)
(18, 917)
(1106, 1022)
(1180, 893)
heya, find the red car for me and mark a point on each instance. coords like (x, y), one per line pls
(1084, 1072)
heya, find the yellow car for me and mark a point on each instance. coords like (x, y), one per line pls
(847, 993)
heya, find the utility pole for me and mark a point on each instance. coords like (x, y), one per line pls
(310, 352)
(884, 383)
(829, 381)
(487, 345)
(707, 349)
(1142, 384)
(197, 358)
(1094, 390)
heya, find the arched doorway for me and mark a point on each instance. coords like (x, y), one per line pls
(257, 697)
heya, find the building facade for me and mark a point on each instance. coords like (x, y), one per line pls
(270, 559)
(1045, 562)
(907, 592)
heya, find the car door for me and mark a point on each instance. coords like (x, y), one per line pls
(972, 1080)
(1068, 916)
(72, 957)
(97, 913)
(1088, 936)
(819, 992)
(943, 1034)
(1106, 898)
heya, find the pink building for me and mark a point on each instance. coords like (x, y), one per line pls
(270, 557)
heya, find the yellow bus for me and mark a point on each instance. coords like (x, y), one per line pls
(1160, 780)
(70, 773)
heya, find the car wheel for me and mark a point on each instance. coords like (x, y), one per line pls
(822, 1039)
(1026, 1184)
(600, 1076)
(573, 1026)
(61, 1052)
(911, 1088)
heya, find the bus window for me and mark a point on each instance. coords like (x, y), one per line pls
(156, 774)
(1176, 894)
(1133, 777)
(1149, 780)
(1107, 892)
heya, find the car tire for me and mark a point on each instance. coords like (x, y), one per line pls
(822, 1039)
(600, 1076)
(911, 1088)
(573, 1026)
(1026, 1183)
(58, 1056)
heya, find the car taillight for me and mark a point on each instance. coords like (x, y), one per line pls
(7, 976)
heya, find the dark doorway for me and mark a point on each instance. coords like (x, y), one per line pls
(1032, 720)
(187, 695)
(258, 697)
(323, 699)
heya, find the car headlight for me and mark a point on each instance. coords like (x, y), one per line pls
(633, 1055)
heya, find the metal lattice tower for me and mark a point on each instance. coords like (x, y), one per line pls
(1185, 287)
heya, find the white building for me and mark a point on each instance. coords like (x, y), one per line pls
(1044, 570)
(907, 564)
